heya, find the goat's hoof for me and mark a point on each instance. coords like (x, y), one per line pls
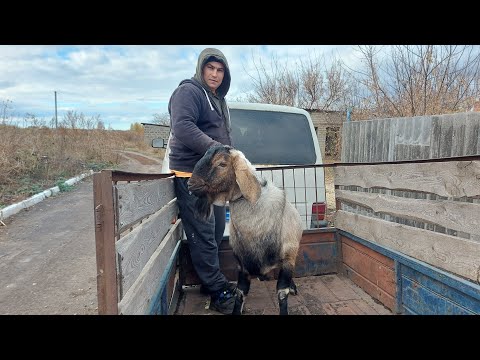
(237, 311)
(263, 277)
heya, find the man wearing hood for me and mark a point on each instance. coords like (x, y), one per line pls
(199, 119)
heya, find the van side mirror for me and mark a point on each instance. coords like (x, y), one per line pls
(159, 143)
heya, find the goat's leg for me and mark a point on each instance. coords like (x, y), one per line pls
(284, 284)
(243, 286)
(293, 288)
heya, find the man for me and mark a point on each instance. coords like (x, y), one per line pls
(200, 119)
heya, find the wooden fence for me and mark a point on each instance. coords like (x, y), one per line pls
(137, 243)
(448, 179)
(413, 138)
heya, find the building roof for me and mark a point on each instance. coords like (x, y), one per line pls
(155, 124)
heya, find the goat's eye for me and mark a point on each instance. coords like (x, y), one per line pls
(222, 164)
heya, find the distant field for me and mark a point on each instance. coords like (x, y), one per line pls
(37, 158)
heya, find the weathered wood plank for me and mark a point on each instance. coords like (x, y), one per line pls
(351, 140)
(446, 136)
(436, 132)
(408, 139)
(380, 139)
(373, 139)
(357, 150)
(423, 126)
(137, 200)
(471, 133)
(137, 247)
(454, 254)
(456, 215)
(389, 144)
(449, 179)
(367, 150)
(107, 294)
(138, 297)
(345, 157)
(458, 134)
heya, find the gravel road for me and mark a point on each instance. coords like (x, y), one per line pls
(47, 253)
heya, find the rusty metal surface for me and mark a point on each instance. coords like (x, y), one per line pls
(318, 254)
(317, 295)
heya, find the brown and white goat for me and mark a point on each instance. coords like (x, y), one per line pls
(265, 228)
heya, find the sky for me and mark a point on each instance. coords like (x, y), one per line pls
(125, 84)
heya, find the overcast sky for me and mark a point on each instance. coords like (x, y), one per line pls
(124, 84)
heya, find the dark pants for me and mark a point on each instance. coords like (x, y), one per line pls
(204, 237)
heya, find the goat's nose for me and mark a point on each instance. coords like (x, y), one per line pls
(195, 184)
(190, 182)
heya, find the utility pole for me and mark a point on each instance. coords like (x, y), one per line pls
(56, 123)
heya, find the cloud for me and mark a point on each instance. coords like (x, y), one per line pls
(122, 84)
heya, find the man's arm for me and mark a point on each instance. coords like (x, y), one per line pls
(185, 108)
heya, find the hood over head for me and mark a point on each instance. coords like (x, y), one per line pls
(212, 54)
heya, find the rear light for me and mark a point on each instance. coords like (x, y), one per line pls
(318, 211)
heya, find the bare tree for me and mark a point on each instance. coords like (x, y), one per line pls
(71, 119)
(412, 80)
(5, 110)
(309, 84)
(323, 87)
(162, 119)
(74, 120)
(30, 120)
(89, 122)
(274, 85)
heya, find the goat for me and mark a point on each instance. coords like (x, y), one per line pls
(265, 228)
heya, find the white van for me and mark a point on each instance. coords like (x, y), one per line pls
(273, 137)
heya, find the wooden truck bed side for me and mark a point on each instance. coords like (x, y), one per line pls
(415, 254)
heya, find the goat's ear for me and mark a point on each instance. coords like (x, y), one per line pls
(245, 177)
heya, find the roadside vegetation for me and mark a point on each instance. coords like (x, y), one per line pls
(35, 157)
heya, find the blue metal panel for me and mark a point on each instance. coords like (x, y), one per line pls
(425, 295)
(316, 259)
(425, 289)
(159, 304)
(421, 300)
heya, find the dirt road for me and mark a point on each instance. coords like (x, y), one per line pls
(47, 254)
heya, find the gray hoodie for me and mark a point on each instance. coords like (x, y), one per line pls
(199, 119)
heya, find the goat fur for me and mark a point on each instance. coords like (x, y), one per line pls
(265, 228)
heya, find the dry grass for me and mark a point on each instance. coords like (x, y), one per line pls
(34, 159)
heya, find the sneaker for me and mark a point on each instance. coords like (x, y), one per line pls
(224, 300)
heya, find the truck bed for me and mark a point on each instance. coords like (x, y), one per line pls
(332, 294)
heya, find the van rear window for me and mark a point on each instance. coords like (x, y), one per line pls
(273, 138)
